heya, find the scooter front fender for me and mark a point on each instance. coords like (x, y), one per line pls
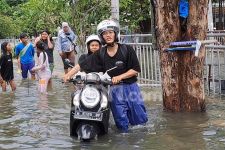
(86, 132)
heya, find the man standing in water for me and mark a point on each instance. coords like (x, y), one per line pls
(66, 44)
(25, 56)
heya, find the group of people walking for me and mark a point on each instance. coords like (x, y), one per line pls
(103, 51)
(43, 67)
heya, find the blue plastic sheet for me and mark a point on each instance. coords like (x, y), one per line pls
(183, 8)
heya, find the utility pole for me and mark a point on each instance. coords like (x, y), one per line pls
(210, 17)
(115, 9)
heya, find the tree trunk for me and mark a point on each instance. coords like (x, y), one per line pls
(182, 72)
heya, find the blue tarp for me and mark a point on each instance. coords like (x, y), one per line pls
(183, 8)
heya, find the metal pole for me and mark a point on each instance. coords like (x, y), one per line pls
(210, 16)
(115, 12)
(115, 9)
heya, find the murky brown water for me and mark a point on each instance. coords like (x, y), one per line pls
(30, 121)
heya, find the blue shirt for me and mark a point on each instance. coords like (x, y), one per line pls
(28, 57)
(63, 44)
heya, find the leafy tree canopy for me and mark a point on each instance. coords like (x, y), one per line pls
(83, 16)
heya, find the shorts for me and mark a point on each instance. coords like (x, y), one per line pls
(25, 68)
(70, 56)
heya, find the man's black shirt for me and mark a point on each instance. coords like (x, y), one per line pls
(94, 63)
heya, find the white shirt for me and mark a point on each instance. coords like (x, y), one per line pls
(42, 67)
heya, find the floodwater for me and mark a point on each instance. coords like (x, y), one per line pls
(32, 121)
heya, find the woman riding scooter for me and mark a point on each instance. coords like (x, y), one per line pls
(93, 44)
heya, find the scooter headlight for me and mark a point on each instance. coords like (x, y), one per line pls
(90, 97)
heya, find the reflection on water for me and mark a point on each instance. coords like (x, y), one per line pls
(32, 121)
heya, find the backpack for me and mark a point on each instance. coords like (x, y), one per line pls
(124, 52)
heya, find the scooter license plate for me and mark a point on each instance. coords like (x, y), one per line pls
(88, 115)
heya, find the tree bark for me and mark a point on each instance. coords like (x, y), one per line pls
(181, 71)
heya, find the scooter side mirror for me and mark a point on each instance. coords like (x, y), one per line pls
(118, 64)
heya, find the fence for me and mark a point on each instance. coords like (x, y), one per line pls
(214, 68)
(149, 63)
(136, 38)
(214, 71)
(218, 7)
(12, 41)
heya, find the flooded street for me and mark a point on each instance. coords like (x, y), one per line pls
(32, 121)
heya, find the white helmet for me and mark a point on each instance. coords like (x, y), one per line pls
(108, 25)
(90, 39)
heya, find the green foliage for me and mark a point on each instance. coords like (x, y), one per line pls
(86, 14)
(36, 15)
(4, 7)
(15, 2)
(7, 27)
(83, 16)
(132, 12)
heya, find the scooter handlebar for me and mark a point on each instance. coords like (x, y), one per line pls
(106, 82)
(80, 77)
